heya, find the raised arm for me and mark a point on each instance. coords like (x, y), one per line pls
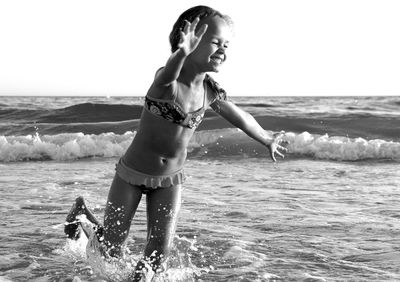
(189, 41)
(251, 127)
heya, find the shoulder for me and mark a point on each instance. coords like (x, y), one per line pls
(218, 94)
(157, 74)
(217, 91)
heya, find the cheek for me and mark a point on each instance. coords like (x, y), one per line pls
(203, 51)
(206, 52)
(206, 47)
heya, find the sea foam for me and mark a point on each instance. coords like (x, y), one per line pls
(208, 143)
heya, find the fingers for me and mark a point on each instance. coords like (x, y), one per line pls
(280, 154)
(202, 31)
(182, 36)
(279, 141)
(191, 27)
(276, 146)
(273, 152)
(279, 135)
(194, 24)
(272, 155)
(187, 27)
(281, 148)
(181, 39)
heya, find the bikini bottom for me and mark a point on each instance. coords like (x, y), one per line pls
(146, 181)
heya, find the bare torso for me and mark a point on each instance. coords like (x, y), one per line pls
(160, 146)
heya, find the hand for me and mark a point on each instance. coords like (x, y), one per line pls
(275, 145)
(189, 39)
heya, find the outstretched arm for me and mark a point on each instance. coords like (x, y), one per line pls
(188, 43)
(251, 127)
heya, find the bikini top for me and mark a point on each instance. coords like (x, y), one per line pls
(170, 110)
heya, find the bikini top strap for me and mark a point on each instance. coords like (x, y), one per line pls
(175, 93)
(218, 91)
(205, 93)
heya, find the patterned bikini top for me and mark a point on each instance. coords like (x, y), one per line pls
(173, 112)
(170, 110)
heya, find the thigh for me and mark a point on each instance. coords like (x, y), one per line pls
(163, 206)
(123, 200)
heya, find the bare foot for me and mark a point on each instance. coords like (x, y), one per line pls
(71, 223)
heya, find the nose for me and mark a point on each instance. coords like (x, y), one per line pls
(221, 50)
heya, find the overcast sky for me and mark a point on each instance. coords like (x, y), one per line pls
(96, 47)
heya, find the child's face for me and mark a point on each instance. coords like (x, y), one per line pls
(211, 52)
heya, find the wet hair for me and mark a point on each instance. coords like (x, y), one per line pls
(202, 12)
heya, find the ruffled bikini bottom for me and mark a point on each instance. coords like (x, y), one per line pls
(149, 182)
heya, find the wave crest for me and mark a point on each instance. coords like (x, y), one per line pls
(208, 143)
(342, 148)
(62, 147)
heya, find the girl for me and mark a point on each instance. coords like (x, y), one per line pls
(174, 106)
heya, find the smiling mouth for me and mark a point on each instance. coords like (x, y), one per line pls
(217, 59)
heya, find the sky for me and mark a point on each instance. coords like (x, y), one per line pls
(280, 48)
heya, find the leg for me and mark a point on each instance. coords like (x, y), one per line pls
(123, 200)
(162, 213)
(163, 205)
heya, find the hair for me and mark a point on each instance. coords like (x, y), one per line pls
(202, 12)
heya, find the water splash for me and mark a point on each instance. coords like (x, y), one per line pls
(178, 266)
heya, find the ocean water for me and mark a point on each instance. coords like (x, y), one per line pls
(327, 212)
